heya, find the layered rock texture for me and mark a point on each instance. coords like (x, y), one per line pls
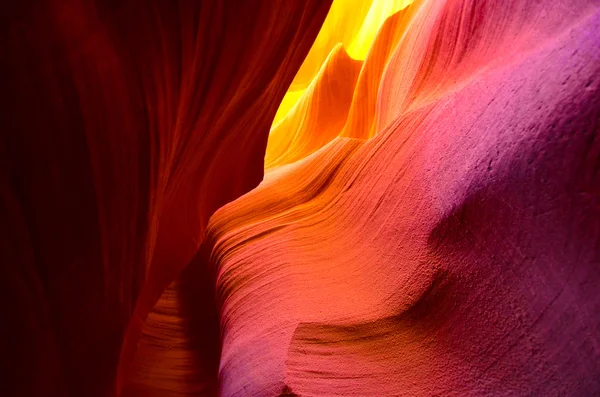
(422, 218)
(439, 233)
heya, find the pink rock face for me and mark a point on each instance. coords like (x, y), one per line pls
(455, 253)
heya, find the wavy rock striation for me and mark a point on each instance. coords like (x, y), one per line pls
(454, 248)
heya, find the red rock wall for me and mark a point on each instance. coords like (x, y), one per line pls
(124, 126)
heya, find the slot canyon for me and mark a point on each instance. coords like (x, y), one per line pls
(300, 198)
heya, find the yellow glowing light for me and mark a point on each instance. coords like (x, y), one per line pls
(379, 11)
(288, 102)
(354, 24)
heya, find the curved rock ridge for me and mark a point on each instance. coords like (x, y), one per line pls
(360, 121)
(125, 125)
(319, 115)
(455, 252)
(335, 103)
(351, 23)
